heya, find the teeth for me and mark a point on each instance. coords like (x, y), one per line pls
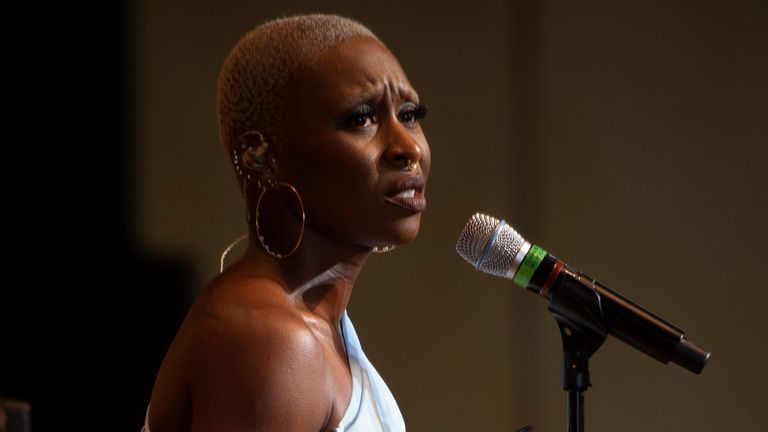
(408, 193)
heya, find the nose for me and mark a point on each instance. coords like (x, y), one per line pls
(403, 151)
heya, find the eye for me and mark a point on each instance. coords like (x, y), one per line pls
(360, 118)
(411, 113)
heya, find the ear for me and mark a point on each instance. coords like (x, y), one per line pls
(255, 153)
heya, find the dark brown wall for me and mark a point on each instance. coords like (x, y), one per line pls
(628, 139)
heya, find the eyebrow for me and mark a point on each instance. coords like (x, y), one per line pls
(369, 98)
(407, 92)
(373, 96)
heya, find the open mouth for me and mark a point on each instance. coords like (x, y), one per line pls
(409, 194)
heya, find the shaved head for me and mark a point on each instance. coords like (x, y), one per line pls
(255, 80)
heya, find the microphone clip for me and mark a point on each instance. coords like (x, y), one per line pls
(579, 316)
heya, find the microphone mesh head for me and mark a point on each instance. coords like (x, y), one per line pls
(500, 255)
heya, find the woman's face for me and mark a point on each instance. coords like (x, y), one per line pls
(351, 132)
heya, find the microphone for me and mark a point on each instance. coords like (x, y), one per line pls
(494, 247)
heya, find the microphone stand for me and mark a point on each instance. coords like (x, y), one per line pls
(579, 317)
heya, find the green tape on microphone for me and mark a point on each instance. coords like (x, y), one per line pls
(533, 258)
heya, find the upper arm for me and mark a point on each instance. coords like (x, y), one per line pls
(263, 375)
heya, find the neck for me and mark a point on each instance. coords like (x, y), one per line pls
(319, 276)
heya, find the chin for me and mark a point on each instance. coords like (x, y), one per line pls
(406, 230)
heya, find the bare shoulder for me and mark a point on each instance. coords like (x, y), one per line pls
(252, 362)
(256, 360)
(249, 324)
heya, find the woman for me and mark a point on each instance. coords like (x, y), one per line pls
(322, 127)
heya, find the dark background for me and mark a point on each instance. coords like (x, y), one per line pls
(85, 314)
(627, 138)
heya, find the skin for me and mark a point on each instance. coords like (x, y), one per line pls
(261, 348)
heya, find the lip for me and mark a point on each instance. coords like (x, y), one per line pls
(415, 203)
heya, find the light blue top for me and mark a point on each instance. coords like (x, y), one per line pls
(372, 408)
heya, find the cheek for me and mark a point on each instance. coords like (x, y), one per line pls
(335, 177)
(343, 200)
(348, 166)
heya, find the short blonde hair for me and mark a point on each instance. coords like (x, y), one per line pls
(256, 77)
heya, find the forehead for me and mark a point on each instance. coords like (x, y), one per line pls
(358, 67)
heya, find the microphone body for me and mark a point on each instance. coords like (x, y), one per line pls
(494, 247)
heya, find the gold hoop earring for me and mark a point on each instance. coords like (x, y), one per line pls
(273, 186)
